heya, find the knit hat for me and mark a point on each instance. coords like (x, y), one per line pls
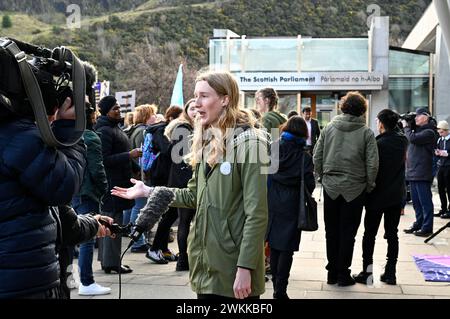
(443, 125)
(106, 104)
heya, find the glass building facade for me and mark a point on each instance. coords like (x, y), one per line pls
(289, 54)
(409, 71)
(409, 80)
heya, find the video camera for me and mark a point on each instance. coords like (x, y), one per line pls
(36, 81)
(409, 117)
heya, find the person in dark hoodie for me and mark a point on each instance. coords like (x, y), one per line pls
(422, 136)
(387, 197)
(117, 161)
(346, 160)
(284, 187)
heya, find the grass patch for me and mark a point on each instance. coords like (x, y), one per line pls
(23, 27)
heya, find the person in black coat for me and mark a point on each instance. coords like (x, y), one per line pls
(179, 133)
(387, 197)
(283, 200)
(33, 177)
(159, 176)
(313, 129)
(117, 161)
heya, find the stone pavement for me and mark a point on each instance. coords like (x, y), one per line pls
(308, 274)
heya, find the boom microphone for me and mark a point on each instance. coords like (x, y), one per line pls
(157, 204)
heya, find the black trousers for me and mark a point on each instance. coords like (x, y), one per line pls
(443, 179)
(342, 220)
(372, 222)
(280, 264)
(161, 240)
(185, 216)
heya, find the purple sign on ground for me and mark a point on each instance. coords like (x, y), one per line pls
(434, 268)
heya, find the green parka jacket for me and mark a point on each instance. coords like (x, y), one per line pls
(273, 119)
(346, 157)
(95, 184)
(230, 223)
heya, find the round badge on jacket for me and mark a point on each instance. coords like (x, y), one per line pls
(225, 168)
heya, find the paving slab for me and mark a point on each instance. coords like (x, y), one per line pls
(308, 274)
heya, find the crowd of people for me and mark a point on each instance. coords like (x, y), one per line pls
(211, 154)
(357, 171)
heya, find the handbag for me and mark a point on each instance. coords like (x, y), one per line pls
(307, 212)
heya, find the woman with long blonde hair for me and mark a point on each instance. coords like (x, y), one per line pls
(229, 191)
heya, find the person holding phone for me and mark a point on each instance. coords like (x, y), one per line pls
(443, 175)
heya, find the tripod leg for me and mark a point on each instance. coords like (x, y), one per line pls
(436, 233)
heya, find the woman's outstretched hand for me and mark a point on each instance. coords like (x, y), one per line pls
(137, 191)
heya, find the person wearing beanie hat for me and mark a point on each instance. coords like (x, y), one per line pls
(106, 104)
(443, 175)
(117, 161)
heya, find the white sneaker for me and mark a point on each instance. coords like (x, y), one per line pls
(93, 290)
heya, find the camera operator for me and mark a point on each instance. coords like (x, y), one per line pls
(33, 176)
(419, 162)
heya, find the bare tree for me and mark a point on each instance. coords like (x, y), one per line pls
(151, 70)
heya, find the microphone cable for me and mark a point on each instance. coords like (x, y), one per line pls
(120, 272)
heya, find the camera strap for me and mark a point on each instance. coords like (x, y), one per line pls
(35, 96)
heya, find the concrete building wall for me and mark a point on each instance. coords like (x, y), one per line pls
(380, 63)
(442, 80)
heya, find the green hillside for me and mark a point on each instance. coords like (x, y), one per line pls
(52, 6)
(139, 44)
